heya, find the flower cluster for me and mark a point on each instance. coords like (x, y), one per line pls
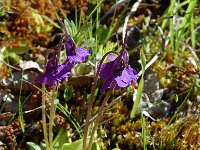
(56, 72)
(117, 69)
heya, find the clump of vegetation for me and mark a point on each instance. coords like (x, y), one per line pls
(183, 134)
(99, 74)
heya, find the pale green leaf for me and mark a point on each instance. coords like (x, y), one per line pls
(33, 146)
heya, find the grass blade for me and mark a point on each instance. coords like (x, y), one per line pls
(140, 87)
(21, 119)
(144, 132)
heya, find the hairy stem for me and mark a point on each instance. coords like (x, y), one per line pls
(100, 114)
(44, 122)
(51, 118)
(89, 110)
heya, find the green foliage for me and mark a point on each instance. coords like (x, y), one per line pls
(179, 32)
(80, 34)
(71, 28)
(33, 146)
(39, 18)
(110, 46)
(83, 69)
(61, 138)
(102, 33)
(97, 37)
(197, 86)
(63, 142)
(70, 118)
(68, 92)
(144, 131)
(89, 16)
(41, 27)
(21, 118)
(185, 24)
(77, 145)
(10, 57)
(181, 106)
(2, 13)
(140, 87)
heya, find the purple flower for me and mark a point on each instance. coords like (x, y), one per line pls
(117, 70)
(75, 53)
(55, 73)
